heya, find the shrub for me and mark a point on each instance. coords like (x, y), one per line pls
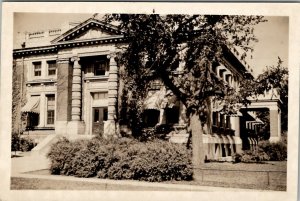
(157, 132)
(250, 157)
(276, 151)
(122, 158)
(15, 142)
(61, 155)
(27, 144)
(254, 157)
(236, 158)
(21, 143)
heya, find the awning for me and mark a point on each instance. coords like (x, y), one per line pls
(32, 105)
(160, 100)
(255, 118)
(154, 100)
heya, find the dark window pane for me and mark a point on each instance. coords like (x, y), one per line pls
(50, 108)
(37, 68)
(50, 117)
(100, 67)
(172, 115)
(51, 67)
(151, 117)
(105, 114)
(96, 115)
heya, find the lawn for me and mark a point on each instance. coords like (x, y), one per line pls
(264, 176)
(49, 184)
(272, 176)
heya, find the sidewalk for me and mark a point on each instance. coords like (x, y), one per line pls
(23, 167)
(27, 162)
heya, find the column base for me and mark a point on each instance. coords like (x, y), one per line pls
(238, 144)
(110, 129)
(61, 127)
(274, 139)
(76, 128)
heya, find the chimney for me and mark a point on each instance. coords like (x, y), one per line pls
(23, 45)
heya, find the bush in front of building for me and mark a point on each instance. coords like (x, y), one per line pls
(19, 143)
(27, 144)
(61, 155)
(266, 151)
(122, 158)
(250, 157)
(277, 151)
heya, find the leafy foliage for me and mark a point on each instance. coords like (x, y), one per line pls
(250, 157)
(266, 151)
(181, 50)
(276, 151)
(121, 159)
(273, 78)
(19, 143)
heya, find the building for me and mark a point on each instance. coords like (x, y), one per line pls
(67, 84)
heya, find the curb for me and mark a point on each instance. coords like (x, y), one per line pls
(109, 182)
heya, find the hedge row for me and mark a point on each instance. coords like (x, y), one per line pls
(121, 159)
(266, 151)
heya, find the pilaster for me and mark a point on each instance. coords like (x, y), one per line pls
(275, 124)
(63, 108)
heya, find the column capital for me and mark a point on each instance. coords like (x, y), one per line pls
(75, 59)
(63, 60)
(111, 55)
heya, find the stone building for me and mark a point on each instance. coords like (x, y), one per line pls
(68, 85)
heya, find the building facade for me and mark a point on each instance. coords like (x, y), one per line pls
(68, 85)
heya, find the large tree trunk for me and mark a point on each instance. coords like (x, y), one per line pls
(197, 142)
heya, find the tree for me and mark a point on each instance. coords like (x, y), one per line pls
(158, 44)
(272, 78)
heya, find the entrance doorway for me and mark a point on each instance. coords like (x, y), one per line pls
(99, 116)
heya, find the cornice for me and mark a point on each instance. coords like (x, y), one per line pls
(67, 44)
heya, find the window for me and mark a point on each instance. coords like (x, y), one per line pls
(172, 115)
(50, 109)
(51, 67)
(222, 120)
(151, 117)
(100, 67)
(215, 118)
(228, 124)
(37, 66)
(105, 114)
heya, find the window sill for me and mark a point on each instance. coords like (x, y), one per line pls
(41, 81)
(99, 77)
(40, 128)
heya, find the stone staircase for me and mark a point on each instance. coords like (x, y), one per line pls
(179, 135)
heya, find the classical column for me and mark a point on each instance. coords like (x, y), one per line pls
(275, 124)
(76, 90)
(235, 120)
(76, 126)
(111, 127)
(182, 115)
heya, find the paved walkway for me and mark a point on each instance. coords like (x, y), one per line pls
(26, 163)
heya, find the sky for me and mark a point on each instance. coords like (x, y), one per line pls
(272, 35)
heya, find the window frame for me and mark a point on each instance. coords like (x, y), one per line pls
(50, 62)
(35, 70)
(104, 64)
(50, 113)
